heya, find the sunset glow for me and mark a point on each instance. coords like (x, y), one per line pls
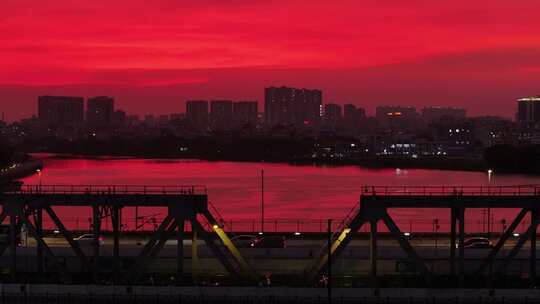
(370, 52)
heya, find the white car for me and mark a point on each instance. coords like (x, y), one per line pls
(88, 240)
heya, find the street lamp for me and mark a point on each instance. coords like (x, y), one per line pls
(490, 173)
(39, 174)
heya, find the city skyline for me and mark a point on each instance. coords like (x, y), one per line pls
(459, 54)
(260, 104)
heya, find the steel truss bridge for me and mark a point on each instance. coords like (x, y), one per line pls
(376, 201)
(26, 205)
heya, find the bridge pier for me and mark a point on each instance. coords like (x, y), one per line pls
(194, 253)
(13, 245)
(453, 223)
(373, 251)
(96, 227)
(116, 220)
(39, 229)
(461, 219)
(532, 258)
(180, 248)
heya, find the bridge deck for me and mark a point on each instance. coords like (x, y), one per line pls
(447, 196)
(88, 195)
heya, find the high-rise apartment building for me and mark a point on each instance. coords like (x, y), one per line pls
(100, 111)
(221, 114)
(332, 114)
(197, 114)
(61, 110)
(528, 113)
(291, 106)
(245, 112)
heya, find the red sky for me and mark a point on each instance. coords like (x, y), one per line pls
(153, 55)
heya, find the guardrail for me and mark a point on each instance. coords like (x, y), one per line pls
(110, 189)
(519, 190)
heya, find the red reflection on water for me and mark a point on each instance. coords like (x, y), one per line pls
(294, 193)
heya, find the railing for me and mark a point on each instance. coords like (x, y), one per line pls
(477, 224)
(519, 190)
(110, 189)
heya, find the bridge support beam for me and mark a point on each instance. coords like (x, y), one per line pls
(488, 262)
(406, 246)
(32, 230)
(461, 218)
(194, 252)
(453, 223)
(373, 251)
(180, 249)
(116, 224)
(96, 226)
(134, 271)
(532, 259)
(39, 230)
(85, 267)
(13, 245)
(215, 249)
(521, 241)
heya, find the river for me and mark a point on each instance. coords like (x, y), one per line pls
(292, 192)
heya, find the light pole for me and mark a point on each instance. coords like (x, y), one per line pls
(39, 175)
(262, 200)
(490, 172)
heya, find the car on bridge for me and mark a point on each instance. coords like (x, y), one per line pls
(269, 242)
(476, 243)
(88, 240)
(243, 241)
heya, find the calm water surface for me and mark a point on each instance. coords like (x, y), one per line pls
(291, 192)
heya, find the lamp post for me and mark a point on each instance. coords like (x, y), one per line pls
(39, 175)
(262, 200)
(490, 173)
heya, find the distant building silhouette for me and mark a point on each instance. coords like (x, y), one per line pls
(396, 117)
(291, 106)
(61, 111)
(221, 114)
(435, 114)
(528, 114)
(197, 114)
(100, 111)
(353, 117)
(332, 114)
(119, 118)
(245, 112)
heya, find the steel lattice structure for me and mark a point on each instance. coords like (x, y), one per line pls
(25, 205)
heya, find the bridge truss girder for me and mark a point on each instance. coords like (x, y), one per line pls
(371, 212)
(21, 212)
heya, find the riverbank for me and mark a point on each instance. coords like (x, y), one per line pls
(20, 169)
(371, 162)
(452, 164)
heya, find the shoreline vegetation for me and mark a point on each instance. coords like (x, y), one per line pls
(458, 164)
(20, 169)
(294, 151)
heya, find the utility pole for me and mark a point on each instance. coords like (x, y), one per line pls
(329, 261)
(262, 200)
